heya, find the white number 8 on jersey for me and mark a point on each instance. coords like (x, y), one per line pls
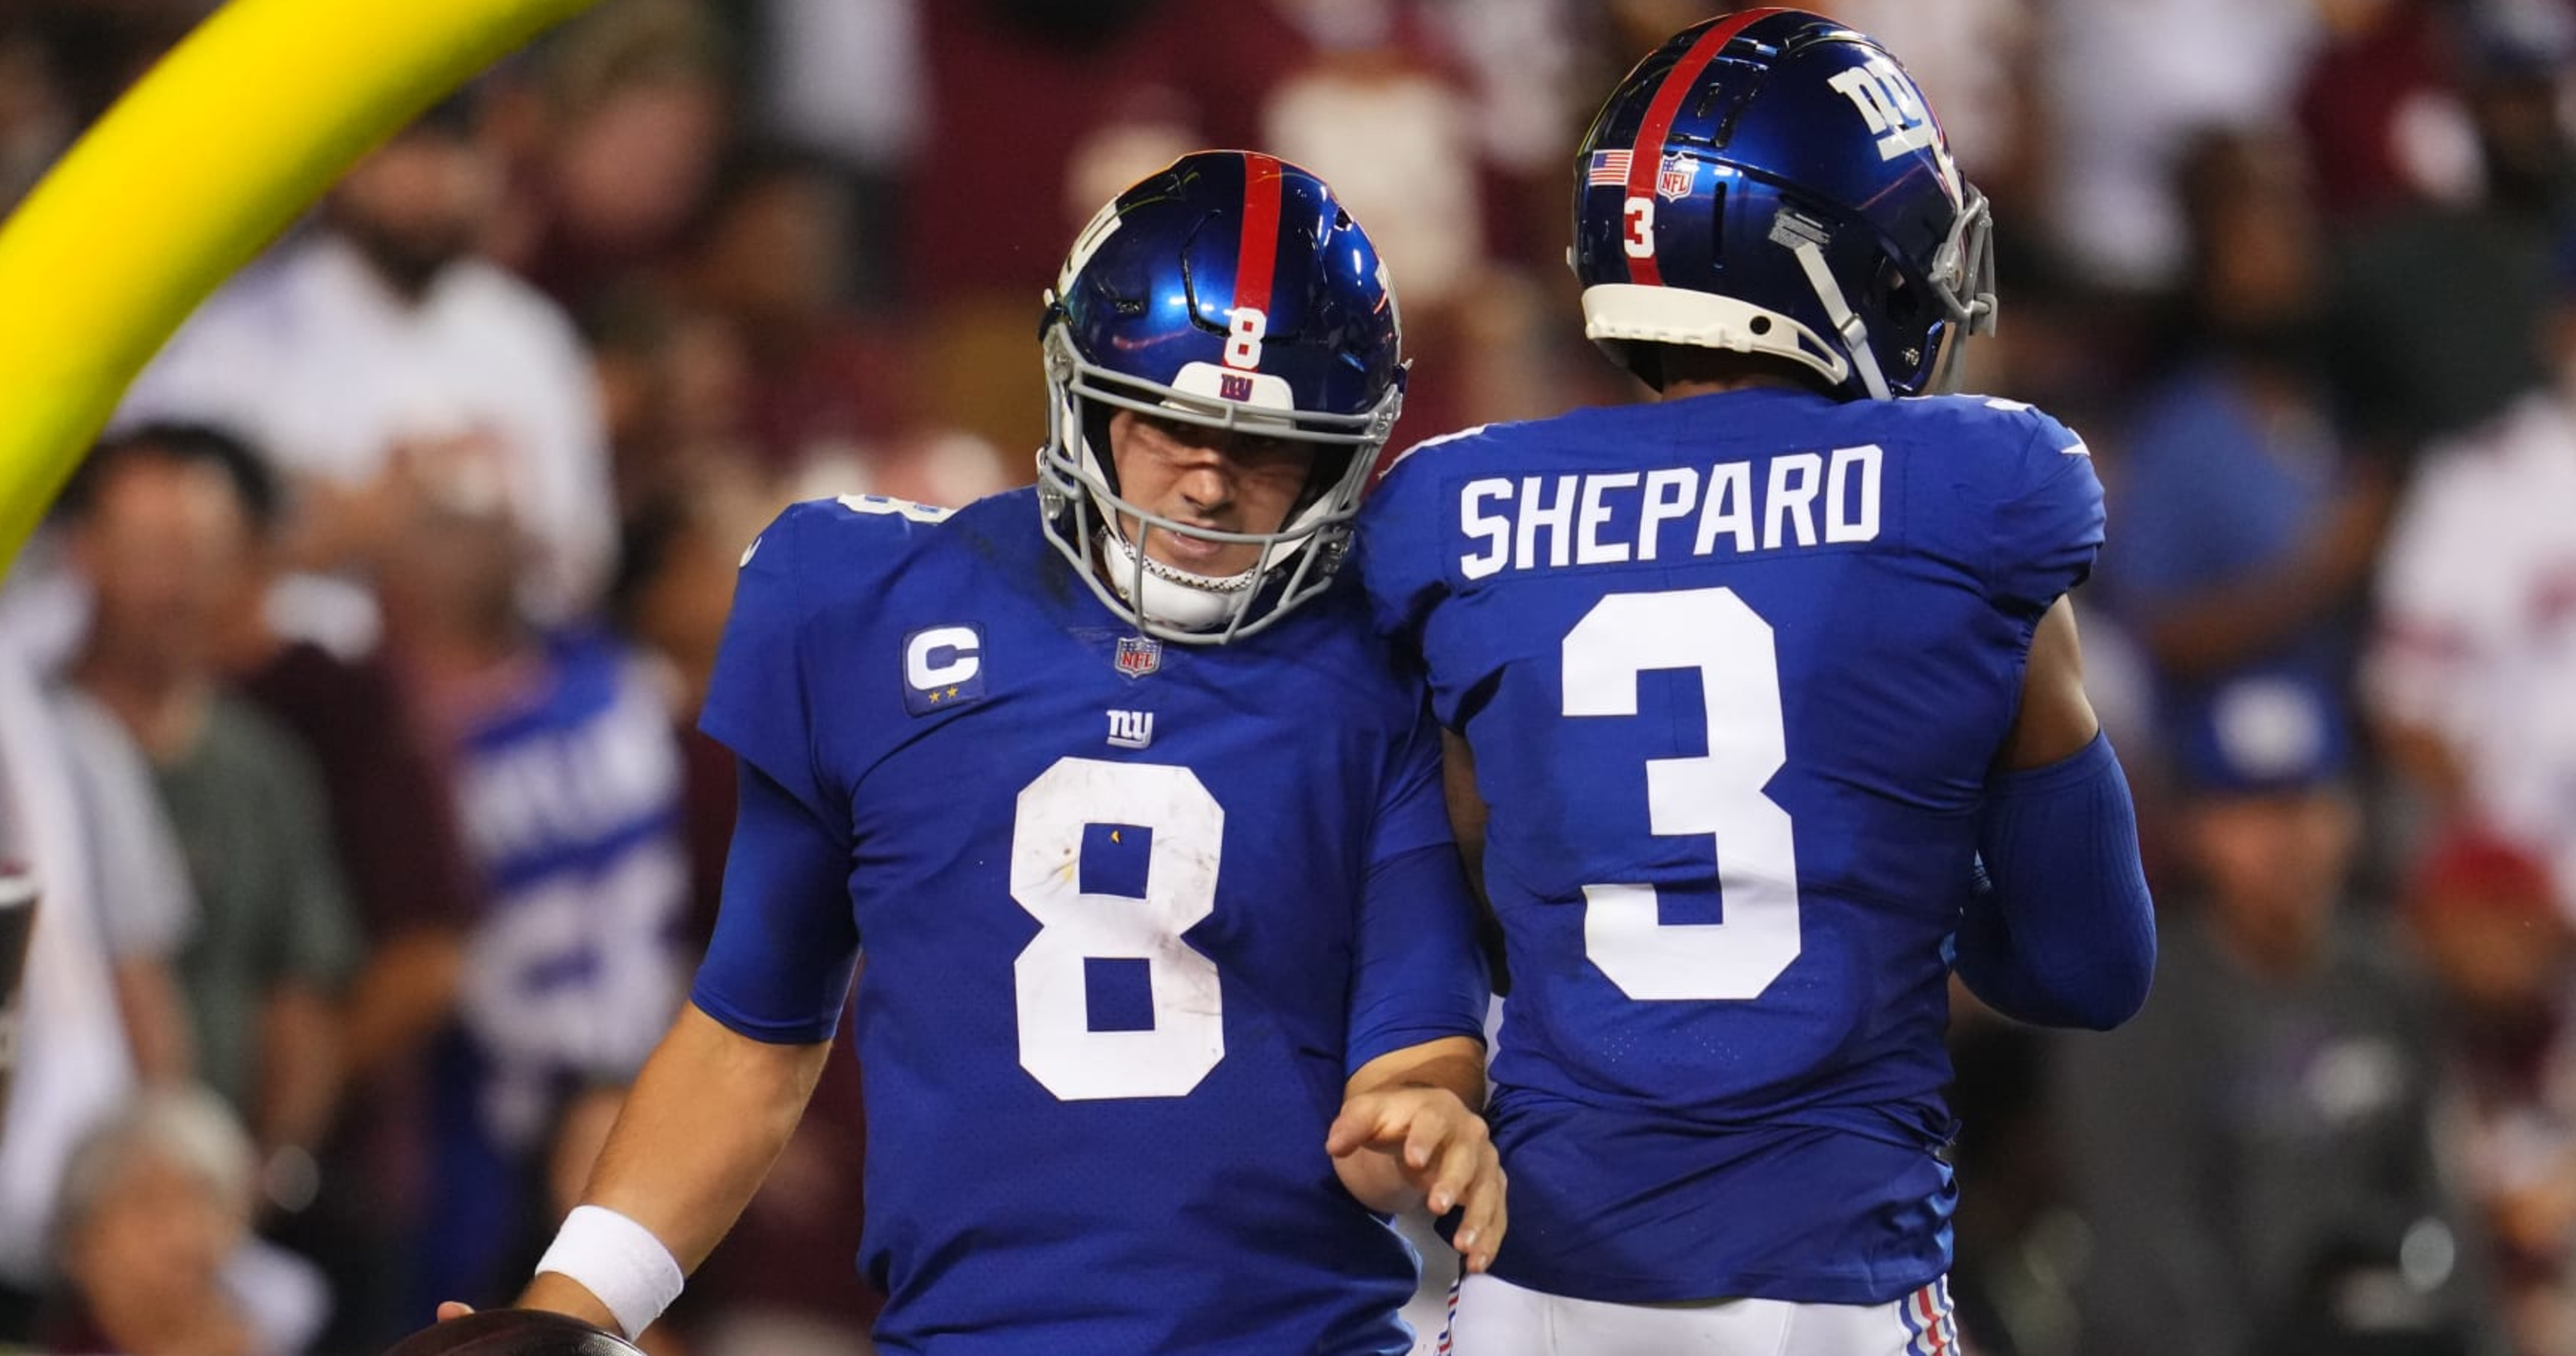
(1057, 1045)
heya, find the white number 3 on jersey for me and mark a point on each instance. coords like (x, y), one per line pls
(1718, 795)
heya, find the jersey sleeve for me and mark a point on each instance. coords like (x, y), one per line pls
(1400, 541)
(759, 699)
(2047, 515)
(1418, 973)
(785, 940)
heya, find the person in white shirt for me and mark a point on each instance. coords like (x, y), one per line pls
(379, 339)
(85, 827)
(2473, 671)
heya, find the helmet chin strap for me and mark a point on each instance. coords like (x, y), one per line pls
(1166, 593)
(1805, 239)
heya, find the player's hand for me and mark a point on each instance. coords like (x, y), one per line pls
(451, 1309)
(1436, 1145)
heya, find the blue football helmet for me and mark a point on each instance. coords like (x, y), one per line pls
(1229, 290)
(1773, 182)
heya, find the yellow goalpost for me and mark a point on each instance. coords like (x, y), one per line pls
(202, 163)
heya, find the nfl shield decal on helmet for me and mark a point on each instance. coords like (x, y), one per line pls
(1139, 655)
(1675, 178)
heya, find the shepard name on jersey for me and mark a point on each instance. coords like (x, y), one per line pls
(1619, 517)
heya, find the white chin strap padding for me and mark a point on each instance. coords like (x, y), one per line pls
(1170, 595)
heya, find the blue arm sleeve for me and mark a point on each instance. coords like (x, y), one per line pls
(2062, 931)
(779, 967)
(1417, 972)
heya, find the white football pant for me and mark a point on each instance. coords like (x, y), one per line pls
(1491, 1317)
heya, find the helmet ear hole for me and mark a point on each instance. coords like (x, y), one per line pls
(1898, 299)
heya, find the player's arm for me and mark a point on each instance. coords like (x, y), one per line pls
(723, 1091)
(1410, 1131)
(705, 1120)
(2061, 931)
(1410, 1134)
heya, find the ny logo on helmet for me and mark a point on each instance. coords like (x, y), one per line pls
(1888, 104)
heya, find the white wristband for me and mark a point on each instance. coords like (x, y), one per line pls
(618, 1260)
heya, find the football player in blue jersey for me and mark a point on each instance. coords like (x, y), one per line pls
(1172, 990)
(1772, 705)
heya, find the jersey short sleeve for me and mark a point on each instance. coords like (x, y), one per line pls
(1400, 538)
(779, 964)
(759, 700)
(1418, 974)
(2047, 516)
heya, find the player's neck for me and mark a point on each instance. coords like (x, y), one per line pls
(1684, 389)
(1711, 371)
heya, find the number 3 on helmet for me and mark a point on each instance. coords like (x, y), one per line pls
(1772, 182)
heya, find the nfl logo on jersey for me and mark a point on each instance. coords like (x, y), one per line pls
(1139, 655)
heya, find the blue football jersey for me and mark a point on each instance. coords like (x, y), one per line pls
(569, 795)
(1733, 669)
(1132, 912)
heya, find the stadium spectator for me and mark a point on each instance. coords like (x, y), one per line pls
(354, 348)
(2409, 372)
(567, 787)
(2473, 674)
(827, 403)
(2485, 917)
(2254, 1154)
(161, 532)
(2246, 529)
(154, 1240)
(77, 1054)
(2126, 83)
(613, 146)
(397, 846)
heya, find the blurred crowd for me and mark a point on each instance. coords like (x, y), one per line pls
(346, 700)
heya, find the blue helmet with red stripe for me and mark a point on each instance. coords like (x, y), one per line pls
(1773, 182)
(1229, 290)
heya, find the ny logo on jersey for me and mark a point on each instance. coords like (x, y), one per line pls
(1131, 729)
(1890, 106)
